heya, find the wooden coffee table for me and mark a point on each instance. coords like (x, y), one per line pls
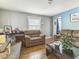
(57, 53)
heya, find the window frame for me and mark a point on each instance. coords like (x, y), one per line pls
(34, 18)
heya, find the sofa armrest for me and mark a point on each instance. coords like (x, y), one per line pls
(27, 40)
(27, 36)
(42, 36)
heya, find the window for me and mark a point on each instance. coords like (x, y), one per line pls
(34, 23)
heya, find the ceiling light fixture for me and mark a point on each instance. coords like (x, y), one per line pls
(50, 2)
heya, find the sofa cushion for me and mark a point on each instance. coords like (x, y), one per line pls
(35, 38)
(33, 33)
(27, 36)
(76, 33)
(66, 32)
(76, 44)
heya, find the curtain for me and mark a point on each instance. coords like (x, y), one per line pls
(58, 29)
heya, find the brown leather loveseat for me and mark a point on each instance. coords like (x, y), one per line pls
(34, 37)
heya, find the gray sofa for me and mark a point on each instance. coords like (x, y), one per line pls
(73, 33)
(15, 51)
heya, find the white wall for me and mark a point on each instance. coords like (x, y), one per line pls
(46, 26)
(19, 19)
(54, 25)
(12, 18)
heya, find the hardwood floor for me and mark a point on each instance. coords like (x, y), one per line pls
(37, 52)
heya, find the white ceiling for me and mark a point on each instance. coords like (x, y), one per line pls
(39, 6)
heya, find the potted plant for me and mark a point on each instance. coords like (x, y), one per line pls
(67, 43)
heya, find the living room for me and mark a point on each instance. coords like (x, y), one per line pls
(29, 29)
